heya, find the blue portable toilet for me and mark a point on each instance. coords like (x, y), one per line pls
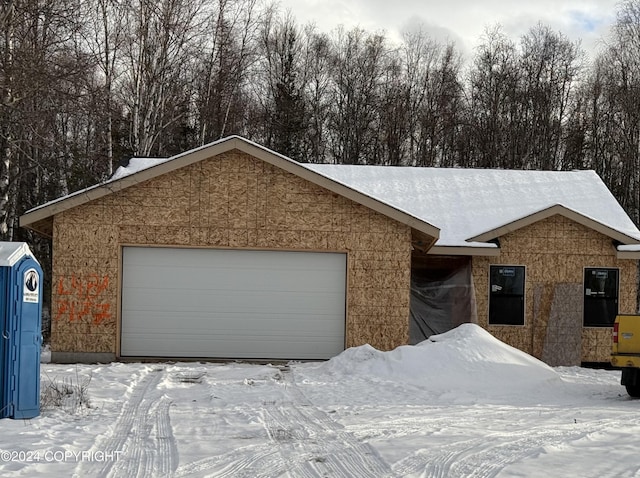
(21, 334)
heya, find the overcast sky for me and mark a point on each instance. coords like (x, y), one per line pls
(463, 21)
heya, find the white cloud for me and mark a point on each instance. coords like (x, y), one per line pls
(463, 21)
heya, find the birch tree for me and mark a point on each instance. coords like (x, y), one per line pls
(317, 88)
(161, 38)
(7, 100)
(104, 41)
(357, 73)
(229, 51)
(550, 65)
(493, 110)
(282, 95)
(434, 95)
(614, 133)
(39, 61)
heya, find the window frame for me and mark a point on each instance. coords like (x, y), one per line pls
(586, 299)
(523, 321)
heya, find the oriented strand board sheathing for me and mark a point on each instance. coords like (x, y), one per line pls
(392, 258)
(199, 236)
(542, 297)
(387, 279)
(384, 336)
(100, 343)
(376, 297)
(596, 344)
(559, 250)
(229, 201)
(195, 192)
(563, 341)
(377, 312)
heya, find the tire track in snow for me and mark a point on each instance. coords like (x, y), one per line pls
(487, 456)
(138, 453)
(304, 442)
(490, 460)
(312, 449)
(259, 461)
(312, 444)
(168, 449)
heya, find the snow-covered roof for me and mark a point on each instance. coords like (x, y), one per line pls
(470, 207)
(468, 204)
(12, 252)
(138, 170)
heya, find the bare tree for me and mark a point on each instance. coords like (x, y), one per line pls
(7, 100)
(39, 63)
(103, 39)
(614, 116)
(435, 100)
(550, 68)
(161, 38)
(393, 125)
(317, 67)
(282, 96)
(493, 109)
(358, 66)
(227, 54)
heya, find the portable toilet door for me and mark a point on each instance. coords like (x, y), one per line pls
(27, 339)
(4, 341)
(21, 309)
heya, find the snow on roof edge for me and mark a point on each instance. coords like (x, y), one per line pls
(629, 247)
(113, 179)
(141, 164)
(541, 211)
(134, 165)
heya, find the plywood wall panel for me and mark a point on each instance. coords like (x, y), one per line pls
(231, 201)
(559, 250)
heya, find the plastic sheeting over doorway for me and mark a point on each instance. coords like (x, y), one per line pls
(442, 296)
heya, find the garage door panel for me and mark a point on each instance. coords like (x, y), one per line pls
(317, 326)
(225, 335)
(235, 304)
(256, 347)
(203, 296)
(227, 345)
(190, 259)
(232, 280)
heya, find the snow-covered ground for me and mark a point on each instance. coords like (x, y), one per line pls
(462, 404)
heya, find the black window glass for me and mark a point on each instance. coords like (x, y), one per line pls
(600, 297)
(506, 295)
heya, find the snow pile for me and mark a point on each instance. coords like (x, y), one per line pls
(462, 362)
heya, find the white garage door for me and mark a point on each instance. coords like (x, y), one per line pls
(232, 303)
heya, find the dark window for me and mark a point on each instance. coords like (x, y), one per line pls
(600, 297)
(506, 295)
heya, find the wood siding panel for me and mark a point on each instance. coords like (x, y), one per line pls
(555, 252)
(230, 201)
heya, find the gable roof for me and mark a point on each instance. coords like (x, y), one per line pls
(472, 206)
(464, 209)
(557, 209)
(40, 218)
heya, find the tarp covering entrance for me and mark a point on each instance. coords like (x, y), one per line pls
(442, 297)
